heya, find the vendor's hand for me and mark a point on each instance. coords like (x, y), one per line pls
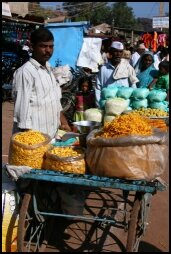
(65, 127)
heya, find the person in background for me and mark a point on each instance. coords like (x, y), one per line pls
(145, 69)
(161, 55)
(104, 54)
(116, 72)
(162, 81)
(84, 99)
(35, 91)
(127, 55)
(136, 55)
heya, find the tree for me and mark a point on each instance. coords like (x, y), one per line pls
(101, 15)
(75, 9)
(82, 10)
(123, 15)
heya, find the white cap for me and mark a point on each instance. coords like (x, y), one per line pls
(117, 45)
(141, 46)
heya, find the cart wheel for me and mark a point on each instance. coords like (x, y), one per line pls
(134, 228)
(31, 231)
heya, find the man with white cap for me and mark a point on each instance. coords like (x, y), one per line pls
(117, 71)
(135, 56)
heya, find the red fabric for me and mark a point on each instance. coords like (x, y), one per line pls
(147, 38)
(85, 101)
(162, 39)
(154, 42)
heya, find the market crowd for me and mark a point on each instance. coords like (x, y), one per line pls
(38, 105)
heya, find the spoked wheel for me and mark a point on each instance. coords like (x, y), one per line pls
(134, 229)
(31, 230)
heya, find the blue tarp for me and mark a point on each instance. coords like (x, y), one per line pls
(68, 40)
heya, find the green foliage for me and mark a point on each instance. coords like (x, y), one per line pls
(123, 15)
(117, 14)
(101, 15)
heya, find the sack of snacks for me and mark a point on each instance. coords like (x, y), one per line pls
(65, 159)
(28, 149)
(129, 148)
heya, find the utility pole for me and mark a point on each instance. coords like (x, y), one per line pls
(161, 8)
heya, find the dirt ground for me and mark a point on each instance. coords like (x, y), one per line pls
(156, 237)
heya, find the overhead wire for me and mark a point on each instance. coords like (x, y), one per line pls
(100, 4)
(151, 9)
(79, 13)
(66, 6)
(83, 12)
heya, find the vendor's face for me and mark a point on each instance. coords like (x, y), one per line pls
(147, 61)
(42, 51)
(116, 55)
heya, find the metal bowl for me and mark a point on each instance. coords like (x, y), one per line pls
(86, 126)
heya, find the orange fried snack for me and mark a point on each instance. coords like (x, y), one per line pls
(128, 124)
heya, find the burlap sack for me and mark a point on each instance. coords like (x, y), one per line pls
(131, 157)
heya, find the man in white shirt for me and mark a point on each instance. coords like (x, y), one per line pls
(35, 90)
(160, 56)
(117, 71)
(135, 56)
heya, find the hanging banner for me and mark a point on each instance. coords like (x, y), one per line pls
(160, 22)
(6, 9)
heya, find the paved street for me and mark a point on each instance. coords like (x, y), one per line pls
(68, 236)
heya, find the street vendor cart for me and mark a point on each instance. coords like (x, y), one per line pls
(41, 203)
(34, 215)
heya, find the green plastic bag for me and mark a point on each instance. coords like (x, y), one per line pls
(140, 93)
(125, 92)
(157, 95)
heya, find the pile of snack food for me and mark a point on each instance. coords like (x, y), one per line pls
(158, 123)
(28, 148)
(128, 124)
(151, 112)
(65, 159)
(34, 149)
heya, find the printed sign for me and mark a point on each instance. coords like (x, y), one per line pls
(160, 22)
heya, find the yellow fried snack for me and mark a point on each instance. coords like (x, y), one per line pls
(28, 149)
(128, 124)
(151, 112)
(30, 137)
(65, 159)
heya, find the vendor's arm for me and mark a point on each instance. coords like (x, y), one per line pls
(64, 123)
(150, 86)
(22, 90)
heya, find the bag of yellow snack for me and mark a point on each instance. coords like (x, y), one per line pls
(28, 148)
(65, 159)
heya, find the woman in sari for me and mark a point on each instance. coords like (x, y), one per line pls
(145, 70)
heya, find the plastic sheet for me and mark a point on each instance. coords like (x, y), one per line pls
(130, 157)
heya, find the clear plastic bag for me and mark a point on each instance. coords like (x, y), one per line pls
(28, 155)
(70, 164)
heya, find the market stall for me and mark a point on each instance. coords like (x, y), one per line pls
(63, 165)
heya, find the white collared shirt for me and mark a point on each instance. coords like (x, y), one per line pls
(37, 98)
